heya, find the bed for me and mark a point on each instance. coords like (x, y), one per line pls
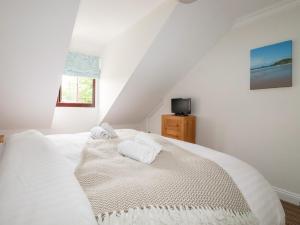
(259, 195)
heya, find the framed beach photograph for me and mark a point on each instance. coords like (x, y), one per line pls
(271, 66)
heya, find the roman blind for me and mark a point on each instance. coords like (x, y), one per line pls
(78, 64)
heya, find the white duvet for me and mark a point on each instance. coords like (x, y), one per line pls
(37, 185)
(260, 196)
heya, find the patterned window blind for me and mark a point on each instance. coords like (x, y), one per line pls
(82, 65)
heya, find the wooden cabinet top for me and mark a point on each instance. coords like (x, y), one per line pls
(174, 116)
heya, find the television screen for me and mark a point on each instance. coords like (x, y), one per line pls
(181, 106)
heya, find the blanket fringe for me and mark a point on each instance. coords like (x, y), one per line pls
(177, 215)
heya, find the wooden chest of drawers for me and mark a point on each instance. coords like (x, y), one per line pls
(1, 143)
(2, 139)
(179, 127)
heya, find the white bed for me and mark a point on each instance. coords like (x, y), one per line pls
(38, 186)
(262, 200)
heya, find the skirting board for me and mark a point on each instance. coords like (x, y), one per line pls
(287, 196)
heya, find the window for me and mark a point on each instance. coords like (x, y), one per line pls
(78, 83)
(76, 91)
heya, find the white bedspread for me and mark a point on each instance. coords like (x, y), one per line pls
(262, 200)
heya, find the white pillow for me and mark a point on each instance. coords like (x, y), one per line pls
(109, 129)
(99, 133)
(37, 187)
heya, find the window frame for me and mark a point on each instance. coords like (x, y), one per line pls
(74, 104)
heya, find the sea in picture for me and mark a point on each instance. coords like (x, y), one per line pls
(271, 66)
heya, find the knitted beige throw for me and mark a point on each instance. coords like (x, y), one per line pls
(177, 188)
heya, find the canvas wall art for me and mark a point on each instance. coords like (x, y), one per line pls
(271, 66)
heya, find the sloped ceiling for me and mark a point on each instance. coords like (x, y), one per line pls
(34, 40)
(191, 30)
(126, 51)
(99, 21)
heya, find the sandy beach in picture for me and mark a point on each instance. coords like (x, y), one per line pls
(271, 66)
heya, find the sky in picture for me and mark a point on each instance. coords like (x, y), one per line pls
(268, 55)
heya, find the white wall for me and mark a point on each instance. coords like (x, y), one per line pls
(120, 57)
(261, 127)
(72, 120)
(75, 119)
(34, 40)
(119, 60)
(175, 50)
(123, 54)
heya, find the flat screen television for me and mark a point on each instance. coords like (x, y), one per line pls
(181, 106)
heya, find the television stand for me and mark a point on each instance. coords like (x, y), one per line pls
(179, 127)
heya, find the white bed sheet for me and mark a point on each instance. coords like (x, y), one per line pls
(259, 194)
(70, 145)
(37, 187)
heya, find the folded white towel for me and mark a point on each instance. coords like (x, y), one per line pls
(145, 139)
(99, 133)
(109, 129)
(137, 151)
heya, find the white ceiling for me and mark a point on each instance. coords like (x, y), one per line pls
(99, 21)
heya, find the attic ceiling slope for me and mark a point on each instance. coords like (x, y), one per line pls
(191, 30)
(99, 21)
(125, 52)
(34, 40)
